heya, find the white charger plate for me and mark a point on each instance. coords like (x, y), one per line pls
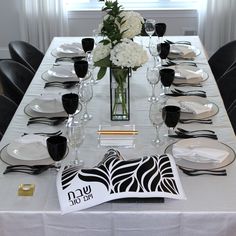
(66, 71)
(185, 115)
(175, 54)
(186, 162)
(46, 105)
(68, 49)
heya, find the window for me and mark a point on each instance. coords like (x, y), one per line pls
(132, 4)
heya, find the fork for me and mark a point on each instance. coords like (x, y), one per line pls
(32, 170)
(201, 121)
(48, 134)
(184, 135)
(178, 42)
(195, 131)
(187, 84)
(66, 84)
(190, 91)
(47, 122)
(197, 172)
(171, 63)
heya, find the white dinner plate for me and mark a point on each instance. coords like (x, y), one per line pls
(179, 77)
(213, 108)
(68, 50)
(60, 72)
(175, 51)
(28, 148)
(46, 105)
(188, 162)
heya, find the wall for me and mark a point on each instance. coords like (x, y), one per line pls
(82, 23)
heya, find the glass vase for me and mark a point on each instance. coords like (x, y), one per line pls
(119, 94)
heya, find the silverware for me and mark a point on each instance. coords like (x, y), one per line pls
(187, 84)
(26, 169)
(171, 63)
(184, 135)
(70, 59)
(178, 42)
(48, 121)
(189, 91)
(201, 121)
(177, 94)
(66, 84)
(196, 172)
(195, 131)
(48, 134)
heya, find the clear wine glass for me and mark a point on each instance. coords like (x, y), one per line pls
(75, 137)
(167, 76)
(171, 115)
(156, 120)
(87, 44)
(149, 27)
(70, 102)
(57, 146)
(85, 95)
(89, 58)
(160, 30)
(154, 49)
(153, 78)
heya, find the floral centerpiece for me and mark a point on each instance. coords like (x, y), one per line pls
(118, 51)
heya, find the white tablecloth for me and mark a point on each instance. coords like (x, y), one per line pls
(210, 208)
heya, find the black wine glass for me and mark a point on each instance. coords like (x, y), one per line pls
(160, 30)
(164, 52)
(57, 146)
(70, 102)
(81, 69)
(170, 116)
(87, 44)
(167, 76)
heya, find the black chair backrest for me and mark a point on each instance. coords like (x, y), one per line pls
(26, 54)
(7, 111)
(15, 79)
(223, 59)
(227, 86)
(232, 115)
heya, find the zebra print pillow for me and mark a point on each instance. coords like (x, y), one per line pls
(114, 178)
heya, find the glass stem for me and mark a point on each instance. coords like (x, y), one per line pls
(153, 91)
(157, 138)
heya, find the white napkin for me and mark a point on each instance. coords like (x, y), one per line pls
(185, 51)
(70, 48)
(197, 150)
(188, 74)
(190, 106)
(66, 71)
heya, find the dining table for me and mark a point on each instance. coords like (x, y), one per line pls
(210, 204)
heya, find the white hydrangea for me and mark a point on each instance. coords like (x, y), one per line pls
(101, 51)
(132, 25)
(128, 54)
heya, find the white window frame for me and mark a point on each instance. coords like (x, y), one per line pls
(75, 5)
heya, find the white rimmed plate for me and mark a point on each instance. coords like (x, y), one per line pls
(46, 105)
(28, 148)
(186, 162)
(213, 108)
(66, 71)
(68, 49)
(175, 51)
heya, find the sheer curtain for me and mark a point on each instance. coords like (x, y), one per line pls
(217, 23)
(41, 20)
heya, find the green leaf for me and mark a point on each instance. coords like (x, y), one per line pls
(105, 62)
(101, 73)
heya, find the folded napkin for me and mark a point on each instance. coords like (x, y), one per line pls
(70, 48)
(66, 71)
(184, 51)
(199, 150)
(190, 106)
(188, 74)
(115, 178)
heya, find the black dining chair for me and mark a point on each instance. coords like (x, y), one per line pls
(227, 86)
(7, 111)
(232, 115)
(26, 54)
(15, 79)
(223, 59)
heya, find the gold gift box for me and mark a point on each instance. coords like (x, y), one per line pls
(26, 190)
